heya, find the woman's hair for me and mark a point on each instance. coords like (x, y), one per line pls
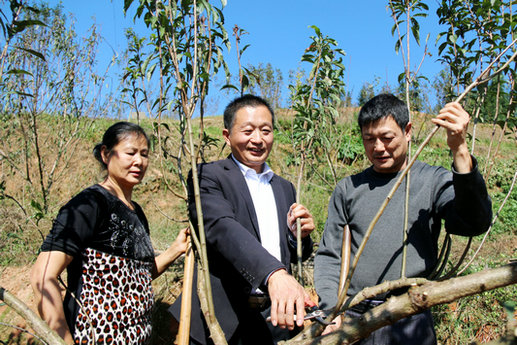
(115, 134)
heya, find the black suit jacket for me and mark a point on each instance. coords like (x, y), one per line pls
(238, 263)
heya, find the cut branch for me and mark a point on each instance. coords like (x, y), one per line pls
(416, 300)
(37, 324)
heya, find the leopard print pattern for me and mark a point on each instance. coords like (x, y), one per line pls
(116, 300)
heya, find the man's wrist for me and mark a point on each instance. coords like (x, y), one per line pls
(266, 281)
(462, 160)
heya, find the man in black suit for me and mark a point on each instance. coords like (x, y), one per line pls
(249, 215)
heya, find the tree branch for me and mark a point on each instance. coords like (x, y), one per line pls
(416, 300)
(36, 323)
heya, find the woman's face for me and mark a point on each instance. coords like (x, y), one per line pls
(128, 161)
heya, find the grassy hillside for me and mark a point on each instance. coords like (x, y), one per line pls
(25, 223)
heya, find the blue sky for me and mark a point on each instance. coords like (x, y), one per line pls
(278, 33)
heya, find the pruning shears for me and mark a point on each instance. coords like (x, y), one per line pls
(318, 315)
(313, 313)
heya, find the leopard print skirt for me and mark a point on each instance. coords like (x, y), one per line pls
(115, 301)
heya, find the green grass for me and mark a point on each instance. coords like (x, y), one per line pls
(475, 318)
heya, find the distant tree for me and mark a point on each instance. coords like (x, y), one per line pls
(497, 101)
(296, 78)
(366, 93)
(386, 88)
(53, 80)
(266, 81)
(443, 87)
(414, 92)
(347, 99)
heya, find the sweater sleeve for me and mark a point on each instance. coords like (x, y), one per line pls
(469, 211)
(327, 263)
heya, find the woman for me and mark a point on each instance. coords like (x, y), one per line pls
(102, 238)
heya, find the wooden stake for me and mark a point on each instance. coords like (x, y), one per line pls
(186, 301)
(345, 258)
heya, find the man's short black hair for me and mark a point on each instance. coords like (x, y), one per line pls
(241, 102)
(384, 105)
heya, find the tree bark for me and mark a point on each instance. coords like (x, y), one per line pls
(216, 332)
(416, 300)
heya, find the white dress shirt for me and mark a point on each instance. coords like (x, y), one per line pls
(264, 203)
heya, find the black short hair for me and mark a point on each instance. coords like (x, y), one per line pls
(115, 134)
(241, 102)
(384, 105)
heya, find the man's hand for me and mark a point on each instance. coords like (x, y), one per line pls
(307, 222)
(287, 299)
(455, 120)
(333, 327)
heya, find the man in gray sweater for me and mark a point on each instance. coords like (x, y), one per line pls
(459, 198)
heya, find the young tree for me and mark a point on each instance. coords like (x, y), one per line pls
(266, 81)
(366, 93)
(477, 32)
(187, 39)
(315, 103)
(53, 82)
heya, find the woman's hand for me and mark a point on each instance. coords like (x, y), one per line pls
(178, 247)
(182, 240)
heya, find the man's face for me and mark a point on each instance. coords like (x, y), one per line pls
(386, 144)
(251, 136)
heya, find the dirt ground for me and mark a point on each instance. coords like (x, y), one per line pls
(16, 281)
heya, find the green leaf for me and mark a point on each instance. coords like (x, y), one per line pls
(21, 25)
(32, 52)
(244, 48)
(229, 86)
(127, 4)
(316, 29)
(19, 71)
(453, 38)
(23, 94)
(36, 205)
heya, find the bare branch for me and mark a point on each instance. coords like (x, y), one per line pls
(36, 323)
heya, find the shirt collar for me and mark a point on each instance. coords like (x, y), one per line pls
(266, 173)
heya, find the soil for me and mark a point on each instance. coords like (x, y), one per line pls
(16, 281)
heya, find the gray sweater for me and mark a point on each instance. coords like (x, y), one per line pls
(436, 194)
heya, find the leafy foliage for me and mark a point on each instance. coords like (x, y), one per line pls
(57, 82)
(315, 103)
(407, 11)
(266, 81)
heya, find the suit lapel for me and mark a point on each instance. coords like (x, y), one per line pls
(240, 184)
